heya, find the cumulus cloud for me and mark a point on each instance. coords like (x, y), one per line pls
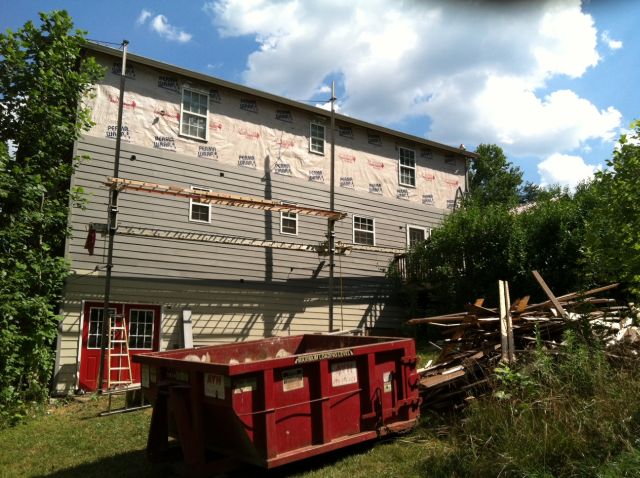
(143, 17)
(610, 42)
(478, 71)
(565, 170)
(162, 27)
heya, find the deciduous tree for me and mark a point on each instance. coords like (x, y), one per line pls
(43, 80)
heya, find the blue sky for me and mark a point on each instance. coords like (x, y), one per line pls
(553, 83)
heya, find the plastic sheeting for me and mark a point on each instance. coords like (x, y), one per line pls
(252, 132)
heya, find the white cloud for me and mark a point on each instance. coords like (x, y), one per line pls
(630, 136)
(565, 170)
(160, 25)
(478, 71)
(143, 17)
(322, 89)
(610, 42)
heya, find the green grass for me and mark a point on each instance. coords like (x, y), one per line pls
(72, 440)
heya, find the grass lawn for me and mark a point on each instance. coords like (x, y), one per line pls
(71, 440)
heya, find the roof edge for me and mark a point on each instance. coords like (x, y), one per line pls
(275, 98)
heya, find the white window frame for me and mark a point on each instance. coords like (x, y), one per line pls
(193, 201)
(353, 238)
(112, 312)
(404, 166)
(153, 320)
(183, 114)
(312, 137)
(287, 215)
(426, 230)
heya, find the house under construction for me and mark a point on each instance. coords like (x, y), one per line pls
(223, 206)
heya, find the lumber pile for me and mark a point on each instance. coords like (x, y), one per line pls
(479, 338)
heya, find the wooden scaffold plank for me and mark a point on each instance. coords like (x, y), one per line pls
(224, 199)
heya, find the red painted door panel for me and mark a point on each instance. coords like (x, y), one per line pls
(143, 323)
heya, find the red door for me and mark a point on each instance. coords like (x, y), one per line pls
(143, 323)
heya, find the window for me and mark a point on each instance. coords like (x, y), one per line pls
(364, 230)
(198, 210)
(289, 222)
(407, 169)
(316, 138)
(94, 337)
(194, 116)
(141, 329)
(416, 235)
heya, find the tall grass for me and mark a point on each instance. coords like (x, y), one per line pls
(572, 413)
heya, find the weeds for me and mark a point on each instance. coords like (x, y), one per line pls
(558, 415)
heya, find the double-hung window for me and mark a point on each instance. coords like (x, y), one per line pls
(199, 211)
(289, 223)
(364, 230)
(416, 235)
(407, 167)
(194, 114)
(316, 138)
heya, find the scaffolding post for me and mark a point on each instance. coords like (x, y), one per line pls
(331, 225)
(112, 223)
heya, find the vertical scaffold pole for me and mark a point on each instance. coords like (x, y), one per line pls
(112, 223)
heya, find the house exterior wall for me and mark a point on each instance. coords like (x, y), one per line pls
(236, 292)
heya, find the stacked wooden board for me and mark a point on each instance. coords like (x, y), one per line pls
(479, 338)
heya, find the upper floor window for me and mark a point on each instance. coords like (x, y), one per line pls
(364, 230)
(194, 114)
(199, 211)
(289, 223)
(316, 138)
(416, 235)
(407, 167)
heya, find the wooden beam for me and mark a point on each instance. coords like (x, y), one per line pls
(223, 199)
(554, 300)
(573, 295)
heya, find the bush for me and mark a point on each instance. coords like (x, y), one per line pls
(567, 414)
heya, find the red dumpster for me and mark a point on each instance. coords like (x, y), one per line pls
(273, 401)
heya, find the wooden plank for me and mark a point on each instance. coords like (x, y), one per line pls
(507, 301)
(521, 304)
(456, 317)
(479, 310)
(435, 380)
(220, 198)
(573, 295)
(504, 341)
(554, 300)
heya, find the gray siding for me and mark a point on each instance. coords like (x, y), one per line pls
(236, 292)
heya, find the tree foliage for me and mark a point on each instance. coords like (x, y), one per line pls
(42, 82)
(576, 240)
(477, 246)
(493, 179)
(612, 243)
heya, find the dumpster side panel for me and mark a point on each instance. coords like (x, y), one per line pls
(329, 393)
(292, 401)
(344, 404)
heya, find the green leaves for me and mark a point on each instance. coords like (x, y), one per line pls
(43, 79)
(477, 246)
(575, 240)
(612, 245)
(493, 179)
